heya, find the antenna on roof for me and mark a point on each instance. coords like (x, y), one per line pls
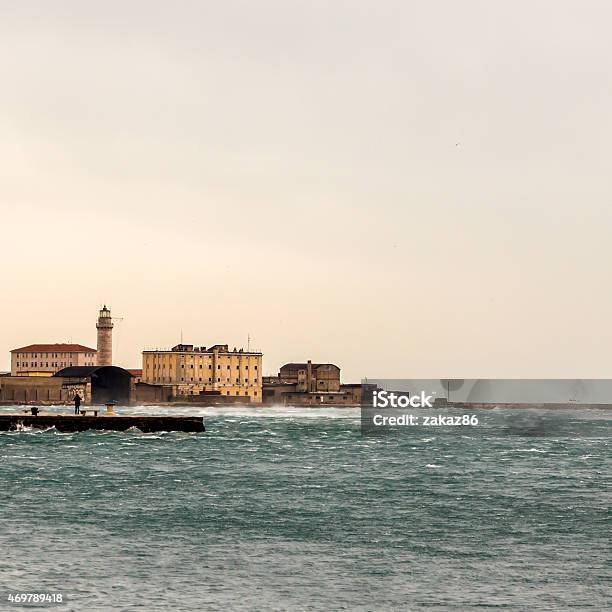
(248, 343)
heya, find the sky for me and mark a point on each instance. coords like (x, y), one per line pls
(408, 189)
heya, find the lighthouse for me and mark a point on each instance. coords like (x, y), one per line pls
(105, 337)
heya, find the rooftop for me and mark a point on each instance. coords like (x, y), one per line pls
(86, 371)
(190, 348)
(54, 348)
(304, 366)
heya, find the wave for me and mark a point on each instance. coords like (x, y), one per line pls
(283, 412)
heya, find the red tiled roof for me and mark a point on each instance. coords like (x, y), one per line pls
(54, 348)
(135, 372)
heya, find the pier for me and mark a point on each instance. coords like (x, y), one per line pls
(71, 423)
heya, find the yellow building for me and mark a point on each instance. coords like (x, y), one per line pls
(194, 370)
(47, 359)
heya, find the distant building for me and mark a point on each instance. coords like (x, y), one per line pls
(96, 384)
(310, 384)
(137, 375)
(47, 359)
(192, 370)
(310, 377)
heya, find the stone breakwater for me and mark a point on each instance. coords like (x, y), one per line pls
(69, 423)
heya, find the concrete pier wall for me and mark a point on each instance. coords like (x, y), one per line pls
(69, 423)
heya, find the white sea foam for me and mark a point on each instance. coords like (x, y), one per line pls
(234, 411)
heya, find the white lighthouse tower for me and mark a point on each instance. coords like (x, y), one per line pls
(105, 337)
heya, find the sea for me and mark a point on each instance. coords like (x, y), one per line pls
(294, 509)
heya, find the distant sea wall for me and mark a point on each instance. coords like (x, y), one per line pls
(513, 405)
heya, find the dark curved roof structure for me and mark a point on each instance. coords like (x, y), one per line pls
(86, 371)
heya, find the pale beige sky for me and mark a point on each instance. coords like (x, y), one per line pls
(406, 189)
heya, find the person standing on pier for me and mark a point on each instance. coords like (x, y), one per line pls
(77, 404)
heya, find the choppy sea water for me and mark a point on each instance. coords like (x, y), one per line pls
(289, 509)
